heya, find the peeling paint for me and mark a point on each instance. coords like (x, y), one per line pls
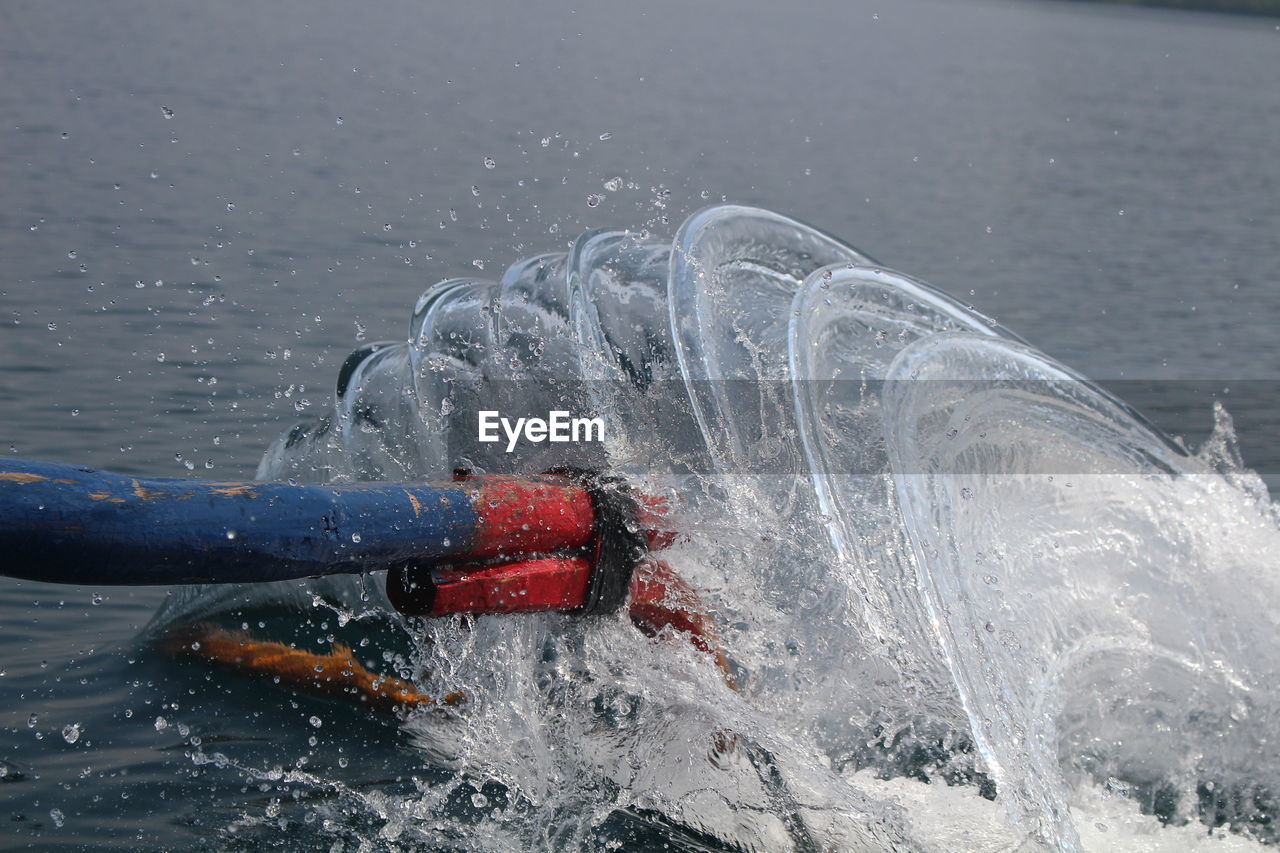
(145, 494)
(234, 490)
(20, 477)
(417, 504)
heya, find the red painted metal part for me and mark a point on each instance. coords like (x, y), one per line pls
(533, 550)
(522, 516)
(658, 595)
(659, 600)
(542, 583)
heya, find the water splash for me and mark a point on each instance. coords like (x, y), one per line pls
(935, 555)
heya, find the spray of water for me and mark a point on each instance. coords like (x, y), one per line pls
(973, 601)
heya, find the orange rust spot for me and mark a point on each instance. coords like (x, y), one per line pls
(337, 673)
(99, 496)
(232, 490)
(21, 477)
(417, 504)
(145, 494)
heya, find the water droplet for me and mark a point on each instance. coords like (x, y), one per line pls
(316, 721)
(58, 817)
(475, 190)
(605, 137)
(231, 534)
(231, 205)
(490, 163)
(71, 733)
(613, 184)
(479, 800)
(32, 720)
(966, 493)
(161, 724)
(71, 254)
(355, 537)
(338, 120)
(594, 200)
(66, 135)
(96, 599)
(168, 113)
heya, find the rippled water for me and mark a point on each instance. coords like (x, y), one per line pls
(1099, 181)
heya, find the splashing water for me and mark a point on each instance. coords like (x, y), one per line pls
(973, 601)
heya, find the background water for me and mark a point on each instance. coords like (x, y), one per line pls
(207, 206)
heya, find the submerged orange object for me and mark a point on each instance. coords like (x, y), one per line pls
(659, 599)
(337, 673)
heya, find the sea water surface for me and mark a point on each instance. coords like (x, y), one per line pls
(207, 207)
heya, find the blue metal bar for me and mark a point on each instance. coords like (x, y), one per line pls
(66, 524)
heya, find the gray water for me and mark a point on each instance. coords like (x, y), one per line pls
(282, 183)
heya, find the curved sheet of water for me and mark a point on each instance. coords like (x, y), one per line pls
(800, 400)
(1084, 578)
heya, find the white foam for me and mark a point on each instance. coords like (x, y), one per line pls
(947, 819)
